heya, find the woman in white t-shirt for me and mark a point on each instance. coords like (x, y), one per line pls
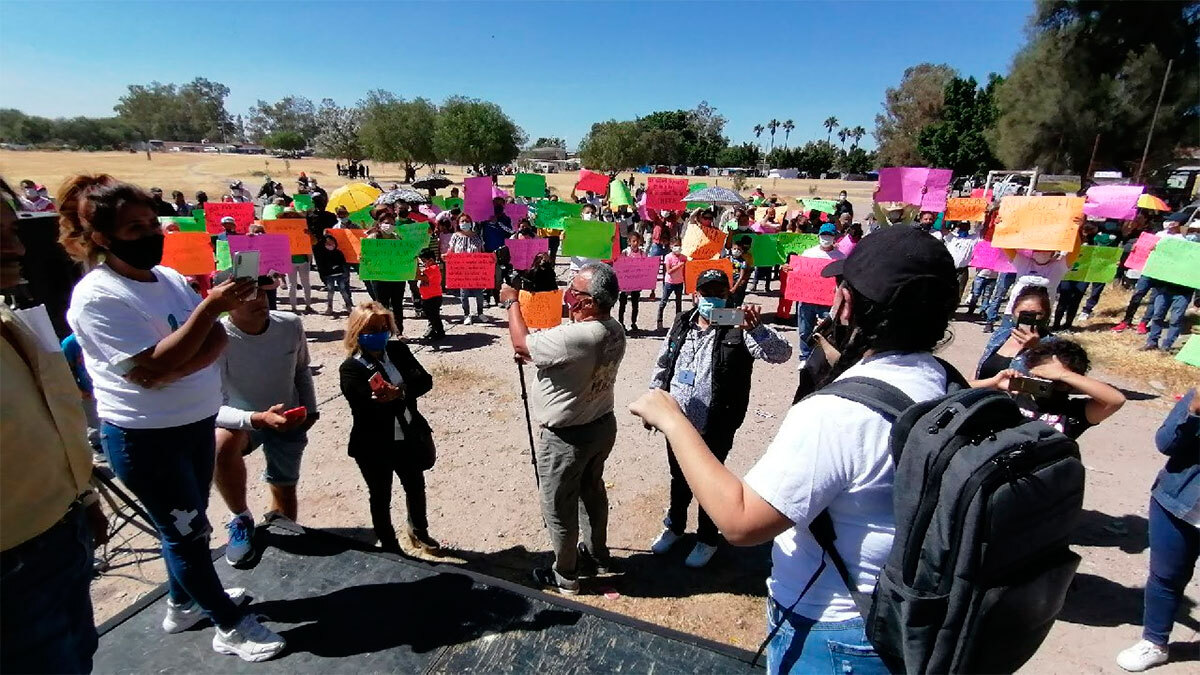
(149, 343)
(831, 454)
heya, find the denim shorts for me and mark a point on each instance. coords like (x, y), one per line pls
(804, 645)
(283, 453)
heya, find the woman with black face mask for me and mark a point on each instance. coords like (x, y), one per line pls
(149, 343)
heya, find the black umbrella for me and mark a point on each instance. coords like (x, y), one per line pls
(431, 182)
(402, 195)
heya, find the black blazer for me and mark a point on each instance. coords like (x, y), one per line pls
(374, 431)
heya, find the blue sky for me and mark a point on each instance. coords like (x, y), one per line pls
(555, 67)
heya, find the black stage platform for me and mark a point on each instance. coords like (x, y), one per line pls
(352, 611)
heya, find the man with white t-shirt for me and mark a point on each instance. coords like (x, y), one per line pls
(807, 313)
(892, 307)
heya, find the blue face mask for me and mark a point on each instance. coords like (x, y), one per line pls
(706, 305)
(374, 342)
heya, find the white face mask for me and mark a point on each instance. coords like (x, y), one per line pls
(31, 193)
(676, 249)
(588, 216)
(825, 240)
(386, 227)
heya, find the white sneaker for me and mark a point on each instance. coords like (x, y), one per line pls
(1084, 316)
(1141, 656)
(664, 542)
(249, 641)
(468, 321)
(182, 617)
(700, 555)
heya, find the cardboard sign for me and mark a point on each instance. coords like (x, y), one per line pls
(1175, 261)
(790, 243)
(846, 245)
(185, 224)
(978, 193)
(693, 268)
(274, 251)
(963, 208)
(919, 186)
(1142, 248)
(295, 229)
(515, 213)
(1094, 264)
(1112, 201)
(618, 195)
(541, 310)
(224, 260)
(696, 187)
(1190, 352)
(549, 214)
(386, 260)
(271, 211)
(590, 181)
(478, 198)
(805, 283)
(453, 203)
(588, 238)
(522, 251)
(1039, 223)
(823, 205)
(703, 243)
(188, 253)
(665, 194)
(349, 242)
(531, 185)
(470, 270)
(242, 213)
(987, 257)
(362, 216)
(637, 274)
(302, 202)
(764, 250)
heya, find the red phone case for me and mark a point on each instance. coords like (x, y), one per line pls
(297, 413)
(376, 382)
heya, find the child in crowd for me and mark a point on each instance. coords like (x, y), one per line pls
(634, 250)
(673, 265)
(331, 263)
(430, 286)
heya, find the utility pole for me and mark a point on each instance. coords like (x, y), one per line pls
(1153, 121)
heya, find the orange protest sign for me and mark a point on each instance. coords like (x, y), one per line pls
(702, 243)
(348, 242)
(541, 310)
(296, 230)
(693, 269)
(965, 208)
(1039, 223)
(189, 253)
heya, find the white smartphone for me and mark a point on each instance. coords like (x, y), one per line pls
(728, 316)
(245, 265)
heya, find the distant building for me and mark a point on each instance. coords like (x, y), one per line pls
(192, 146)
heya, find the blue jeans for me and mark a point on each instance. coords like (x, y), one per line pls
(1094, 296)
(668, 290)
(1169, 304)
(981, 292)
(465, 294)
(170, 471)
(807, 315)
(1143, 286)
(340, 283)
(1174, 548)
(46, 623)
(804, 645)
(1003, 283)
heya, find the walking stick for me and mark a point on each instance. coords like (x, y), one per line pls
(528, 423)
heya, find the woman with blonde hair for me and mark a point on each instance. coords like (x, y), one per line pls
(149, 343)
(381, 381)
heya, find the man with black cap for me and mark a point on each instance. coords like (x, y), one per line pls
(705, 366)
(892, 307)
(161, 206)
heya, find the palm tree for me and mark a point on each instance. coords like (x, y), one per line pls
(787, 131)
(857, 133)
(758, 129)
(772, 126)
(830, 124)
(842, 134)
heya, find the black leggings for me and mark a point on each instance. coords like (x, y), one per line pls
(377, 470)
(636, 297)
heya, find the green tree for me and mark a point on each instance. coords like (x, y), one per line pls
(550, 142)
(338, 135)
(202, 103)
(285, 140)
(745, 155)
(192, 112)
(1094, 69)
(772, 127)
(908, 108)
(856, 160)
(830, 124)
(857, 134)
(684, 136)
(612, 146)
(291, 113)
(816, 157)
(758, 129)
(788, 126)
(400, 131)
(476, 133)
(958, 139)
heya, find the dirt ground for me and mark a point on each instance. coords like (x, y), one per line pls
(482, 503)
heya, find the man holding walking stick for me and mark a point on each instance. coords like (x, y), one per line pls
(572, 392)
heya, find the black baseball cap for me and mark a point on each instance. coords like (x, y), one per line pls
(886, 260)
(712, 276)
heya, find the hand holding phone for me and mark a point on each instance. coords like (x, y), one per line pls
(728, 316)
(297, 414)
(1034, 386)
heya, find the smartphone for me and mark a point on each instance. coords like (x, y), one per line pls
(728, 316)
(824, 328)
(1028, 319)
(245, 265)
(377, 382)
(1034, 386)
(296, 414)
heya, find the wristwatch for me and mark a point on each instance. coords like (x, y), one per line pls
(508, 303)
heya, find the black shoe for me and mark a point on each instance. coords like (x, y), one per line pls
(989, 327)
(390, 546)
(421, 540)
(546, 578)
(589, 565)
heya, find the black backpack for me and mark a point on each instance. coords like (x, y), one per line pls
(985, 500)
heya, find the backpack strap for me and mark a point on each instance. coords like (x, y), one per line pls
(879, 396)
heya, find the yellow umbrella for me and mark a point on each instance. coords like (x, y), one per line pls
(353, 196)
(1153, 203)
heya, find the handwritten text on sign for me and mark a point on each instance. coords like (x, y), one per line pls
(805, 283)
(637, 274)
(964, 208)
(470, 270)
(386, 260)
(188, 253)
(274, 251)
(665, 194)
(541, 310)
(1039, 223)
(296, 230)
(241, 212)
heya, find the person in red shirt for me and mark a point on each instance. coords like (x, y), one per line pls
(430, 285)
